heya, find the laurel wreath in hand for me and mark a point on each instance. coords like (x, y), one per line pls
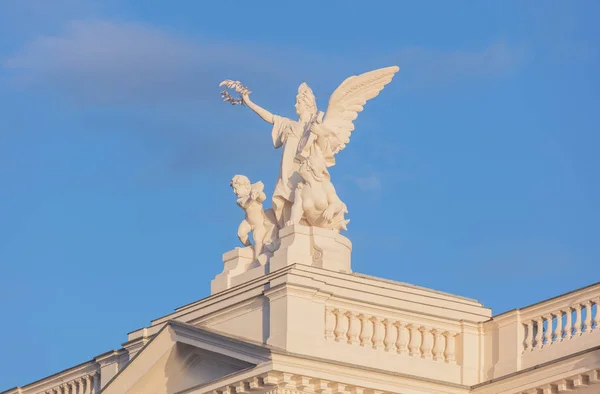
(237, 87)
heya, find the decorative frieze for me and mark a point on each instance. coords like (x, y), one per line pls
(389, 335)
(285, 383)
(568, 385)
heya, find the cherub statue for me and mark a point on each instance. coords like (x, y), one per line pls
(329, 132)
(260, 223)
(316, 202)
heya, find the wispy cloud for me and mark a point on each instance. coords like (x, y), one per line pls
(153, 80)
(109, 62)
(115, 62)
(371, 182)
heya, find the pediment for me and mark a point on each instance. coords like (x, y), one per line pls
(181, 356)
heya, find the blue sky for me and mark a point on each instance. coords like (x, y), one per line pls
(474, 172)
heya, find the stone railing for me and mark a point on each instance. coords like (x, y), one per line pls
(542, 332)
(86, 378)
(390, 334)
(79, 381)
(570, 319)
(87, 384)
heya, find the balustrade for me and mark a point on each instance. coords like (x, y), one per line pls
(389, 335)
(87, 384)
(562, 324)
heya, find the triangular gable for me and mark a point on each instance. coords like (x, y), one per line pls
(182, 356)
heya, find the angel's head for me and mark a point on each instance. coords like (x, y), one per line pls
(306, 104)
(241, 185)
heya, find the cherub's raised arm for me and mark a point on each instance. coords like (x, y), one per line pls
(260, 111)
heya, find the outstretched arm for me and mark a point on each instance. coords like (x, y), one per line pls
(263, 113)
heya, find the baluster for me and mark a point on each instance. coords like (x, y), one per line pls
(568, 324)
(438, 347)
(403, 338)
(73, 386)
(366, 332)
(588, 317)
(548, 332)
(415, 340)
(597, 317)
(427, 343)
(64, 388)
(578, 323)
(341, 326)
(539, 331)
(391, 334)
(354, 328)
(449, 352)
(378, 332)
(529, 336)
(88, 385)
(558, 328)
(96, 384)
(329, 323)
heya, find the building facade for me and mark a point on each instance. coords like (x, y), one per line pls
(304, 323)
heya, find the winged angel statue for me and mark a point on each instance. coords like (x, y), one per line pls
(304, 193)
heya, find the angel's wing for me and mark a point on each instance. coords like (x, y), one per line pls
(348, 100)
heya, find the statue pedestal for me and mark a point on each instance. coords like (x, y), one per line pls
(312, 246)
(238, 269)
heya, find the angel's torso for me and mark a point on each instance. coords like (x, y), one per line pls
(314, 199)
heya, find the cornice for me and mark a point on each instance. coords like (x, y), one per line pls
(298, 290)
(109, 357)
(248, 351)
(554, 300)
(562, 385)
(550, 369)
(307, 272)
(348, 372)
